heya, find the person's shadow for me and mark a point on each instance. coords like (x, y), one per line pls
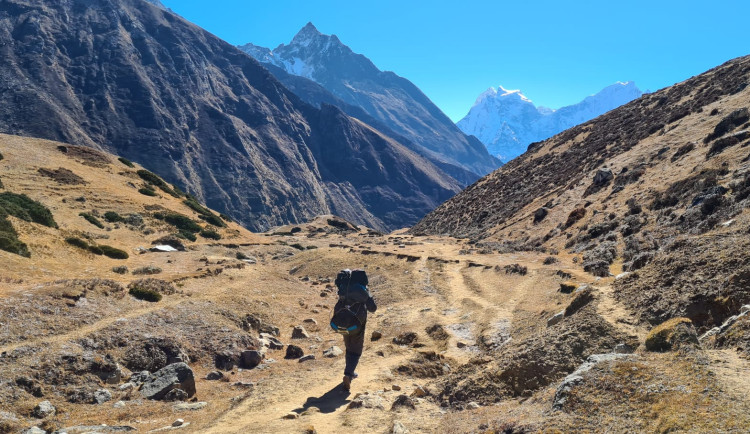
(328, 402)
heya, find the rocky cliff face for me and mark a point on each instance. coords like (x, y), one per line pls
(134, 79)
(392, 100)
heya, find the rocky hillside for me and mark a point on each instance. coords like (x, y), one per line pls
(658, 187)
(131, 78)
(391, 100)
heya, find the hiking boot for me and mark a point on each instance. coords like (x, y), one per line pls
(347, 382)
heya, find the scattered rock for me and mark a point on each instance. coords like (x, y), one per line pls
(310, 321)
(176, 395)
(333, 352)
(405, 338)
(226, 360)
(396, 387)
(472, 405)
(419, 392)
(250, 359)
(243, 384)
(307, 357)
(183, 406)
(127, 386)
(403, 401)
(567, 288)
(34, 430)
(555, 319)
(44, 409)
(119, 404)
(270, 341)
(139, 378)
(540, 214)
(299, 332)
(102, 395)
(175, 376)
(623, 349)
(460, 344)
(293, 352)
(214, 375)
(367, 401)
(437, 332)
(376, 335)
(292, 415)
(178, 422)
(399, 428)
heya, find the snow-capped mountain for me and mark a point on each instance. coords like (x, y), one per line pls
(389, 99)
(507, 122)
(157, 3)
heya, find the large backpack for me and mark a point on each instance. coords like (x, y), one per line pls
(350, 313)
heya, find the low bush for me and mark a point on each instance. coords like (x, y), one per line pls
(9, 240)
(24, 208)
(214, 220)
(186, 235)
(241, 256)
(113, 217)
(113, 252)
(97, 250)
(120, 269)
(211, 234)
(671, 335)
(145, 294)
(182, 222)
(226, 218)
(126, 162)
(147, 191)
(154, 179)
(204, 213)
(77, 242)
(297, 246)
(91, 219)
(149, 270)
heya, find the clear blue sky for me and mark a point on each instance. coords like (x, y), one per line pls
(556, 52)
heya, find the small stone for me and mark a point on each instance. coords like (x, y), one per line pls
(333, 352)
(214, 375)
(555, 319)
(396, 387)
(34, 430)
(270, 341)
(119, 404)
(291, 416)
(44, 409)
(419, 392)
(178, 422)
(399, 428)
(623, 349)
(102, 395)
(460, 344)
(310, 321)
(243, 384)
(299, 332)
(472, 405)
(176, 395)
(376, 335)
(183, 406)
(127, 386)
(315, 311)
(293, 352)
(310, 411)
(307, 357)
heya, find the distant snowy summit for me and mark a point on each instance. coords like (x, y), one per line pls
(157, 3)
(507, 122)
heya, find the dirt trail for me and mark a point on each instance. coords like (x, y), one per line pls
(732, 372)
(617, 315)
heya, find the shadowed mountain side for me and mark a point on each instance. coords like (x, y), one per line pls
(133, 79)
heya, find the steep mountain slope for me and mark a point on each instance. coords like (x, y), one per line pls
(660, 185)
(129, 77)
(385, 96)
(507, 122)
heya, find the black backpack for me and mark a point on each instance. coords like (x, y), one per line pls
(350, 312)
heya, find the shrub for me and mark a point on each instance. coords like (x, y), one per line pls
(120, 269)
(155, 180)
(182, 222)
(241, 256)
(126, 162)
(147, 191)
(204, 213)
(24, 208)
(549, 260)
(77, 242)
(156, 285)
(208, 233)
(91, 219)
(226, 218)
(297, 246)
(97, 250)
(214, 220)
(186, 235)
(113, 217)
(149, 269)
(10, 243)
(113, 252)
(145, 294)
(312, 247)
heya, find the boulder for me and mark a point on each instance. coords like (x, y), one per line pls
(174, 376)
(293, 352)
(176, 395)
(270, 341)
(102, 395)
(367, 401)
(44, 409)
(333, 352)
(250, 359)
(540, 214)
(139, 378)
(299, 332)
(376, 335)
(226, 360)
(403, 401)
(310, 321)
(556, 318)
(671, 335)
(214, 375)
(603, 176)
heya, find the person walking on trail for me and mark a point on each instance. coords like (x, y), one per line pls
(350, 317)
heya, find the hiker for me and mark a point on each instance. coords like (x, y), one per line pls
(350, 317)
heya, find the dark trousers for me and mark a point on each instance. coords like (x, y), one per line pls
(354, 345)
